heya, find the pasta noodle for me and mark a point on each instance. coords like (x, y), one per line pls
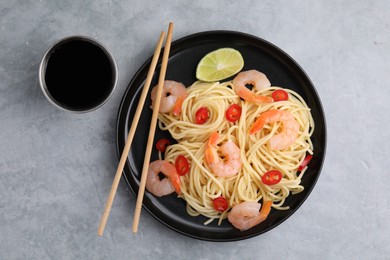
(200, 186)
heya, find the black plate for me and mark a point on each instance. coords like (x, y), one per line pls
(185, 54)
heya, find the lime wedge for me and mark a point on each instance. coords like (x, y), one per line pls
(219, 64)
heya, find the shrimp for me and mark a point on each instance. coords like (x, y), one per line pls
(221, 168)
(258, 80)
(173, 95)
(289, 133)
(165, 186)
(246, 214)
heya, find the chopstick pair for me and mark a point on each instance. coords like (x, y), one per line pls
(133, 128)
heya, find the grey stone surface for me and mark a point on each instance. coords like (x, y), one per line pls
(56, 167)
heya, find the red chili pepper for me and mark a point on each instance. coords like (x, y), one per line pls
(182, 165)
(280, 95)
(161, 145)
(233, 113)
(305, 162)
(201, 115)
(272, 177)
(220, 204)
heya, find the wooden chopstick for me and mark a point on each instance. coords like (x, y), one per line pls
(130, 136)
(152, 129)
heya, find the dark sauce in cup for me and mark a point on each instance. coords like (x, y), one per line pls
(79, 75)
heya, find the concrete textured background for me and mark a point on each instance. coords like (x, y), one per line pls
(57, 167)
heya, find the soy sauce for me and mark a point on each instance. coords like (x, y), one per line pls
(79, 75)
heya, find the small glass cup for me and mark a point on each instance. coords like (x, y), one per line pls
(78, 74)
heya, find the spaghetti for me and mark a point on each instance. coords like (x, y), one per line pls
(200, 187)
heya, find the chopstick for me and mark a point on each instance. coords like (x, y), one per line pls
(130, 136)
(152, 129)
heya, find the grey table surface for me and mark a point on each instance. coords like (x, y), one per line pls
(57, 167)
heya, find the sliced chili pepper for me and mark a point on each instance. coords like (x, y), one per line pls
(280, 95)
(220, 204)
(202, 115)
(182, 165)
(161, 145)
(272, 177)
(305, 162)
(233, 113)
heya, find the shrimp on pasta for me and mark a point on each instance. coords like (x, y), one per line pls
(235, 164)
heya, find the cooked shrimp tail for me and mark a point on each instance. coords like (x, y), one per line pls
(289, 132)
(211, 154)
(177, 107)
(232, 164)
(255, 78)
(266, 209)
